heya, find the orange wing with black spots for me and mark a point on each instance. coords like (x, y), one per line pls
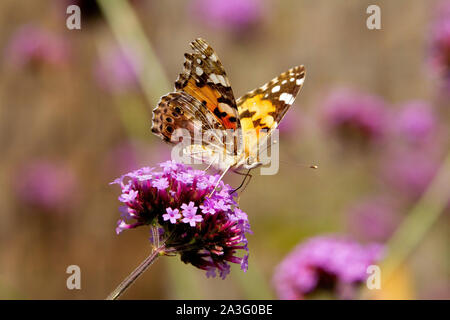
(262, 109)
(204, 78)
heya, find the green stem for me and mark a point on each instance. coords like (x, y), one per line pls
(126, 27)
(132, 277)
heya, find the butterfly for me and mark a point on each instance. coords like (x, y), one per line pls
(203, 100)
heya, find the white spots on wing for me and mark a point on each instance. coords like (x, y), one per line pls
(275, 89)
(222, 80)
(213, 78)
(292, 79)
(287, 98)
(199, 71)
(199, 61)
(266, 96)
(216, 79)
(213, 57)
(284, 81)
(299, 81)
(203, 56)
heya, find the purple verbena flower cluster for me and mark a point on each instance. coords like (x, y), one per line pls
(416, 122)
(33, 45)
(355, 116)
(206, 228)
(233, 15)
(48, 185)
(439, 55)
(326, 262)
(374, 218)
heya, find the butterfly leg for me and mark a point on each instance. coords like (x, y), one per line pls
(220, 179)
(211, 163)
(247, 175)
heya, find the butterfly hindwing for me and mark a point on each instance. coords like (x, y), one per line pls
(204, 78)
(179, 110)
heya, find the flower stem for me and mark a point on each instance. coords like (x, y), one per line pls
(132, 277)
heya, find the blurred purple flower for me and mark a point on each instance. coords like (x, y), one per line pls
(324, 263)
(416, 122)
(232, 15)
(207, 240)
(373, 219)
(355, 117)
(117, 70)
(291, 123)
(33, 45)
(46, 185)
(439, 55)
(409, 172)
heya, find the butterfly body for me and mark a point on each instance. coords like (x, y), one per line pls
(232, 132)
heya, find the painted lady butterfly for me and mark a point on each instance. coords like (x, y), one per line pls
(204, 101)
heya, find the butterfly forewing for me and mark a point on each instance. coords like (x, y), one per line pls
(261, 110)
(204, 78)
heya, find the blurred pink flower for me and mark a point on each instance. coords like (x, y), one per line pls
(439, 55)
(46, 185)
(31, 45)
(416, 122)
(118, 70)
(328, 263)
(373, 219)
(232, 15)
(355, 117)
(409, 172)
(291, 123)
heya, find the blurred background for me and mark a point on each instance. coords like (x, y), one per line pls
(75, 113)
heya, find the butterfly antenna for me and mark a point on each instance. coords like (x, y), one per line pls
(310, 166)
